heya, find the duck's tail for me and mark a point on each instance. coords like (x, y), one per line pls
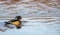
(6, 23)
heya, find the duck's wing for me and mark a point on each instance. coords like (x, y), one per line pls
(13, 20)
(10, 21)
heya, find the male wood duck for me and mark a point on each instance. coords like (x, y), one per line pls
(16, 22)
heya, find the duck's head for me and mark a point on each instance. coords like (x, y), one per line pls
(18, 17)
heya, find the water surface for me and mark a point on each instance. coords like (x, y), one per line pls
(33, 27)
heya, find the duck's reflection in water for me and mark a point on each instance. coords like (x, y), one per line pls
(11, 26)
(6, 28)
(2, 30)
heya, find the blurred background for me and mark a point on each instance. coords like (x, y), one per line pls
(30, 8)
(42, 16)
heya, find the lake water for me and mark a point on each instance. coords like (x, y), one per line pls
(33, 27)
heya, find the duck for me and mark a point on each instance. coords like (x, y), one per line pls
(17, 22)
